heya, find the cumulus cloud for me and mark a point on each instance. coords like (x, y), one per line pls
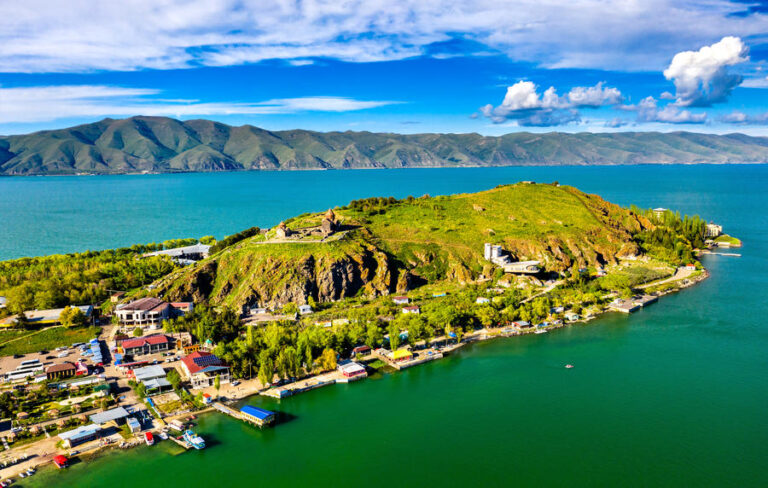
(46, 103)
(82, 35)
(737, 117)
(615, 123)
(524, 104)
(702, 77)
(648, 111)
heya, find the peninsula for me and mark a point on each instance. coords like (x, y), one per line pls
(99, 346)
(164, 145)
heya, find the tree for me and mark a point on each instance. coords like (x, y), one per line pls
(266, 368)
(328, 360)
(137, 332)
(141, 390)
(373, 335)
(174, 378)
(72, 317)
(394, 336)
(217, 382)
(208, 240)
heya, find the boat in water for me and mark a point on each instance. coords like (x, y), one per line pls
(149, 438)
(194, 440)
(541, 331)
(163, 436)
(568, 366)
(60, 461)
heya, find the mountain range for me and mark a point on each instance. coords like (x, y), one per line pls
(162, 145)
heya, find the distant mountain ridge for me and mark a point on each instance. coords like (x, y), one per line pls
(160, 144)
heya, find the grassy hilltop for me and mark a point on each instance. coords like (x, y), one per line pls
(161, 144)
(387, 246)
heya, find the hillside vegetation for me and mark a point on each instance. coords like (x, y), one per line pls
(159, 144)
(387, 246)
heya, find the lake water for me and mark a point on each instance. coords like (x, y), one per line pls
(674, 395)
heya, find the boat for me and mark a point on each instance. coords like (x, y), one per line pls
(163, 436)
(541, 331)
(22, 475)
(568, 366)
(60, 461)
(30, 471)
(149, 438)
(194, 440)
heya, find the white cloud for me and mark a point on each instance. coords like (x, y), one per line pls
(702, 77)
(46, 103)
(761, 82)
(737, 117)
(524, 104)
(83, 35)
(594, 96)
(649, 111)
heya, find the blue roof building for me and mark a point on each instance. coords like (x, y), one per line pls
(257, 415)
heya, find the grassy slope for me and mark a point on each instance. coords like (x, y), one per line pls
(433, 239)
(48, 339)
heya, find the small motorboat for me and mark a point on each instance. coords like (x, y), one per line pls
(568, 366)
(149, 438)
(163, 436)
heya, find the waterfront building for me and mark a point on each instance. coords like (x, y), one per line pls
(361, 351)
(149, 373)
(202, 367)
(402, 355)
(257, 415)
(352, 370)
(75, 437)
(133, 425)
(713, 230)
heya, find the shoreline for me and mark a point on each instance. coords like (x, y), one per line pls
(40, 457)
(478, 166)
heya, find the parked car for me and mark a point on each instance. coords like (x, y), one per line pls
(236, 382)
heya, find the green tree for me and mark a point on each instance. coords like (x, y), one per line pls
(328, 360)
(217, 382)
(394, 335)
(174, 378)
(208, 240)
(138, 331)
(72, 317)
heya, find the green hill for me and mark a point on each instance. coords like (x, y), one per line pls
(385, 246)
(159, 144)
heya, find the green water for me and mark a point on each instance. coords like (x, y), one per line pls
(675, 395)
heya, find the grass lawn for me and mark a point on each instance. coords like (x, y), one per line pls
(10, 334)
(726, 239)
(48, 339)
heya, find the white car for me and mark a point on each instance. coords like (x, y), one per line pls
(235, 383)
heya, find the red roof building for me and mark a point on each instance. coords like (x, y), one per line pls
(146, 345)
(202, 368)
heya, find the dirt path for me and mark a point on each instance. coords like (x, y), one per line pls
(680, 274)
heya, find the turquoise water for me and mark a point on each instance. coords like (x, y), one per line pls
(675, 395)
(45, 215)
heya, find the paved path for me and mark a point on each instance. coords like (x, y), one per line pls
(680, 274)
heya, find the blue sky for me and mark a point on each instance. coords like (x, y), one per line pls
(487, 66)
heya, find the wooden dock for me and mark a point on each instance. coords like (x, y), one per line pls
(239, 415)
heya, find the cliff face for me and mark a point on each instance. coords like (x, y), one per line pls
(248, 277)
(388, 246)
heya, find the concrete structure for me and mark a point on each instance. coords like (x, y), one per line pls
(202, 368)
(149, 311)
(401, 300)
(659, 212)
(282, 231)
(75, 437)
(305, 309)
(496, 255)
(412, 309)
(145, 345)
(624, 306)
(190, 253)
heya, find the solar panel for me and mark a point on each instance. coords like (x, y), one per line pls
(204, 361)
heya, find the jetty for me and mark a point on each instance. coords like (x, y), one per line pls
(304, 385)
